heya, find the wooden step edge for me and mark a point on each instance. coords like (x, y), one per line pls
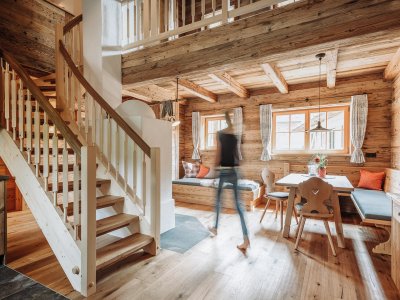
(121, 249)
(115, 222)
(102, 202)
(99, 183)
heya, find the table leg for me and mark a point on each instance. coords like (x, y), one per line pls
(289, 212)
(338, 220)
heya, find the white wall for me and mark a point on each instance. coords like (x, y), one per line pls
(101, 29)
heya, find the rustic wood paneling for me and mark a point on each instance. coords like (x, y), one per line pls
(377, 139)
(12, 202)
(27, 31)
(396, 123)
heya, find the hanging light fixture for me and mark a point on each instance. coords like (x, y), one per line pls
(319, 127)
(168, 112)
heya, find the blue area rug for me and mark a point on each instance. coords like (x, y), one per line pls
(188, 232)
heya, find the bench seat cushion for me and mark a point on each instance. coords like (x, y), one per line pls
(373, 204)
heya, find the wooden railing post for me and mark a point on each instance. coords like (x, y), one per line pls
(155, 196)
(59, 67)
(2, 85)
(88, 220)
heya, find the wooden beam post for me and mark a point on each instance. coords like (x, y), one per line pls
(331, 66)
(155, 198)
(232, 84)
(60, 89)
(393, 68)
(197, 90)
(276, 76)
(88, 220)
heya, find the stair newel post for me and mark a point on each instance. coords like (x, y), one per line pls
(108, 143)
(36, 130)
(28, 142)
(46, 152)
(65, 180)
(7, 96)
(59, 67)
(21, 115)
(14, 105)
(88, 220)
(77, 198)
(55, 166)
(155, 196)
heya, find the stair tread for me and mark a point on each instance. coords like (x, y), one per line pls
(99, 182)
(115, 222)
(121, 249)
(101, 202)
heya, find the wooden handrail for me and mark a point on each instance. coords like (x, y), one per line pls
(72, 23)
(44, 103)
(103, 103)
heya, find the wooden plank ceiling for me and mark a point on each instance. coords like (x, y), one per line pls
(366, 57)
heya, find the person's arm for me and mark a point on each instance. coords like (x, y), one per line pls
(218, 154)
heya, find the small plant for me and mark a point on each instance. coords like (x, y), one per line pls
(321, 160)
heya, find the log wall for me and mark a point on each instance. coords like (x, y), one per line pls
(27, 31)
(377, 140)
(396, 123)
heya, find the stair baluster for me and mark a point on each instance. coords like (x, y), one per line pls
(28, 140)
(65, 181)
(55, 166)
(7, 96)
(14, 105)
(21, 115)
(45, 172)
(36, 130)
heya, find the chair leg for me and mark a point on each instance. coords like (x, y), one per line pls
(301, 227)
(281, 210)
(276, 208)
(295, 215)
(265, 209)
(328, 232)
(298, 227)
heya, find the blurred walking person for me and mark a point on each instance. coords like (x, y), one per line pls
(228, 162)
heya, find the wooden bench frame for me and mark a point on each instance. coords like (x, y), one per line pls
(392, 182)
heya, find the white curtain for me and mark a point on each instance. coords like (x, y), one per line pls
(266, 130)
(196, 124)
(238, 126)
(358, 124)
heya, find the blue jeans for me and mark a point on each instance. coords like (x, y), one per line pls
(230, 176)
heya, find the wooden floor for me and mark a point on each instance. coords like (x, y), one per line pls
(215, 269)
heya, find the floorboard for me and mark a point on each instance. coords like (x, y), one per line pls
(215, 269)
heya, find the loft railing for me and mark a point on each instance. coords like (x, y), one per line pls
(62, 164)
(151, 21)
(128, 158)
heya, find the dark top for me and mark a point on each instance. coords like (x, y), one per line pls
(228, 151)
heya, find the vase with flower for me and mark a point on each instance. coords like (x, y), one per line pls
(321, 161)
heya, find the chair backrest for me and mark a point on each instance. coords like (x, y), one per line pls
(316, 192)
(269, 179)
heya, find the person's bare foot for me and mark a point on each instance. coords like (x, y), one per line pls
(246, 244)
(213, 230)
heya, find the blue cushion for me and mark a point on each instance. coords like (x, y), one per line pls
(278, 194)
(373, 204)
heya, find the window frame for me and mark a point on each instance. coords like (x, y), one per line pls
(307, 112)
(204, 134)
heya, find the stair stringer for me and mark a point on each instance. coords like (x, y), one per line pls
(129, 207)
(60, 240)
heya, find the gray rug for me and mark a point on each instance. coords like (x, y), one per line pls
(16, 286)
(188, 232)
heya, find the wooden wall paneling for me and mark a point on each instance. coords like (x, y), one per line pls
(378, 134)
(12, 204)
(27, 30)
(395, 150)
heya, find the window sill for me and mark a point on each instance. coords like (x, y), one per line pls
(309, 154)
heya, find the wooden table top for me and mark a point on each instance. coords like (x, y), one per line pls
(339, 183)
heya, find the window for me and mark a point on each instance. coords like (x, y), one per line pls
(291, 131)
(211, 125)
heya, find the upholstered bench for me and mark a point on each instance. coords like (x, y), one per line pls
(375, 208)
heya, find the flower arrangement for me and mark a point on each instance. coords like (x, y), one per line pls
(321, 161)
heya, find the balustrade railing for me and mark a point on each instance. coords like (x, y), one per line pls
(151, 21)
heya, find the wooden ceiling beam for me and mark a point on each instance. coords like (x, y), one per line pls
(331, 66)
(276, 76)
(230, 83)
(136, 94)
(393, 68)
(150, 93)
(197, 90)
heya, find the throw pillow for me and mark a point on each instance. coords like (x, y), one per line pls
(371, 180)
(203, 172)
(191, 169)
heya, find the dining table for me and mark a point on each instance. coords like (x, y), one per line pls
(340, 184)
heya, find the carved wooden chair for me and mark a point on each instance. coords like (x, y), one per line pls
(317, 194)
(279, 197)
